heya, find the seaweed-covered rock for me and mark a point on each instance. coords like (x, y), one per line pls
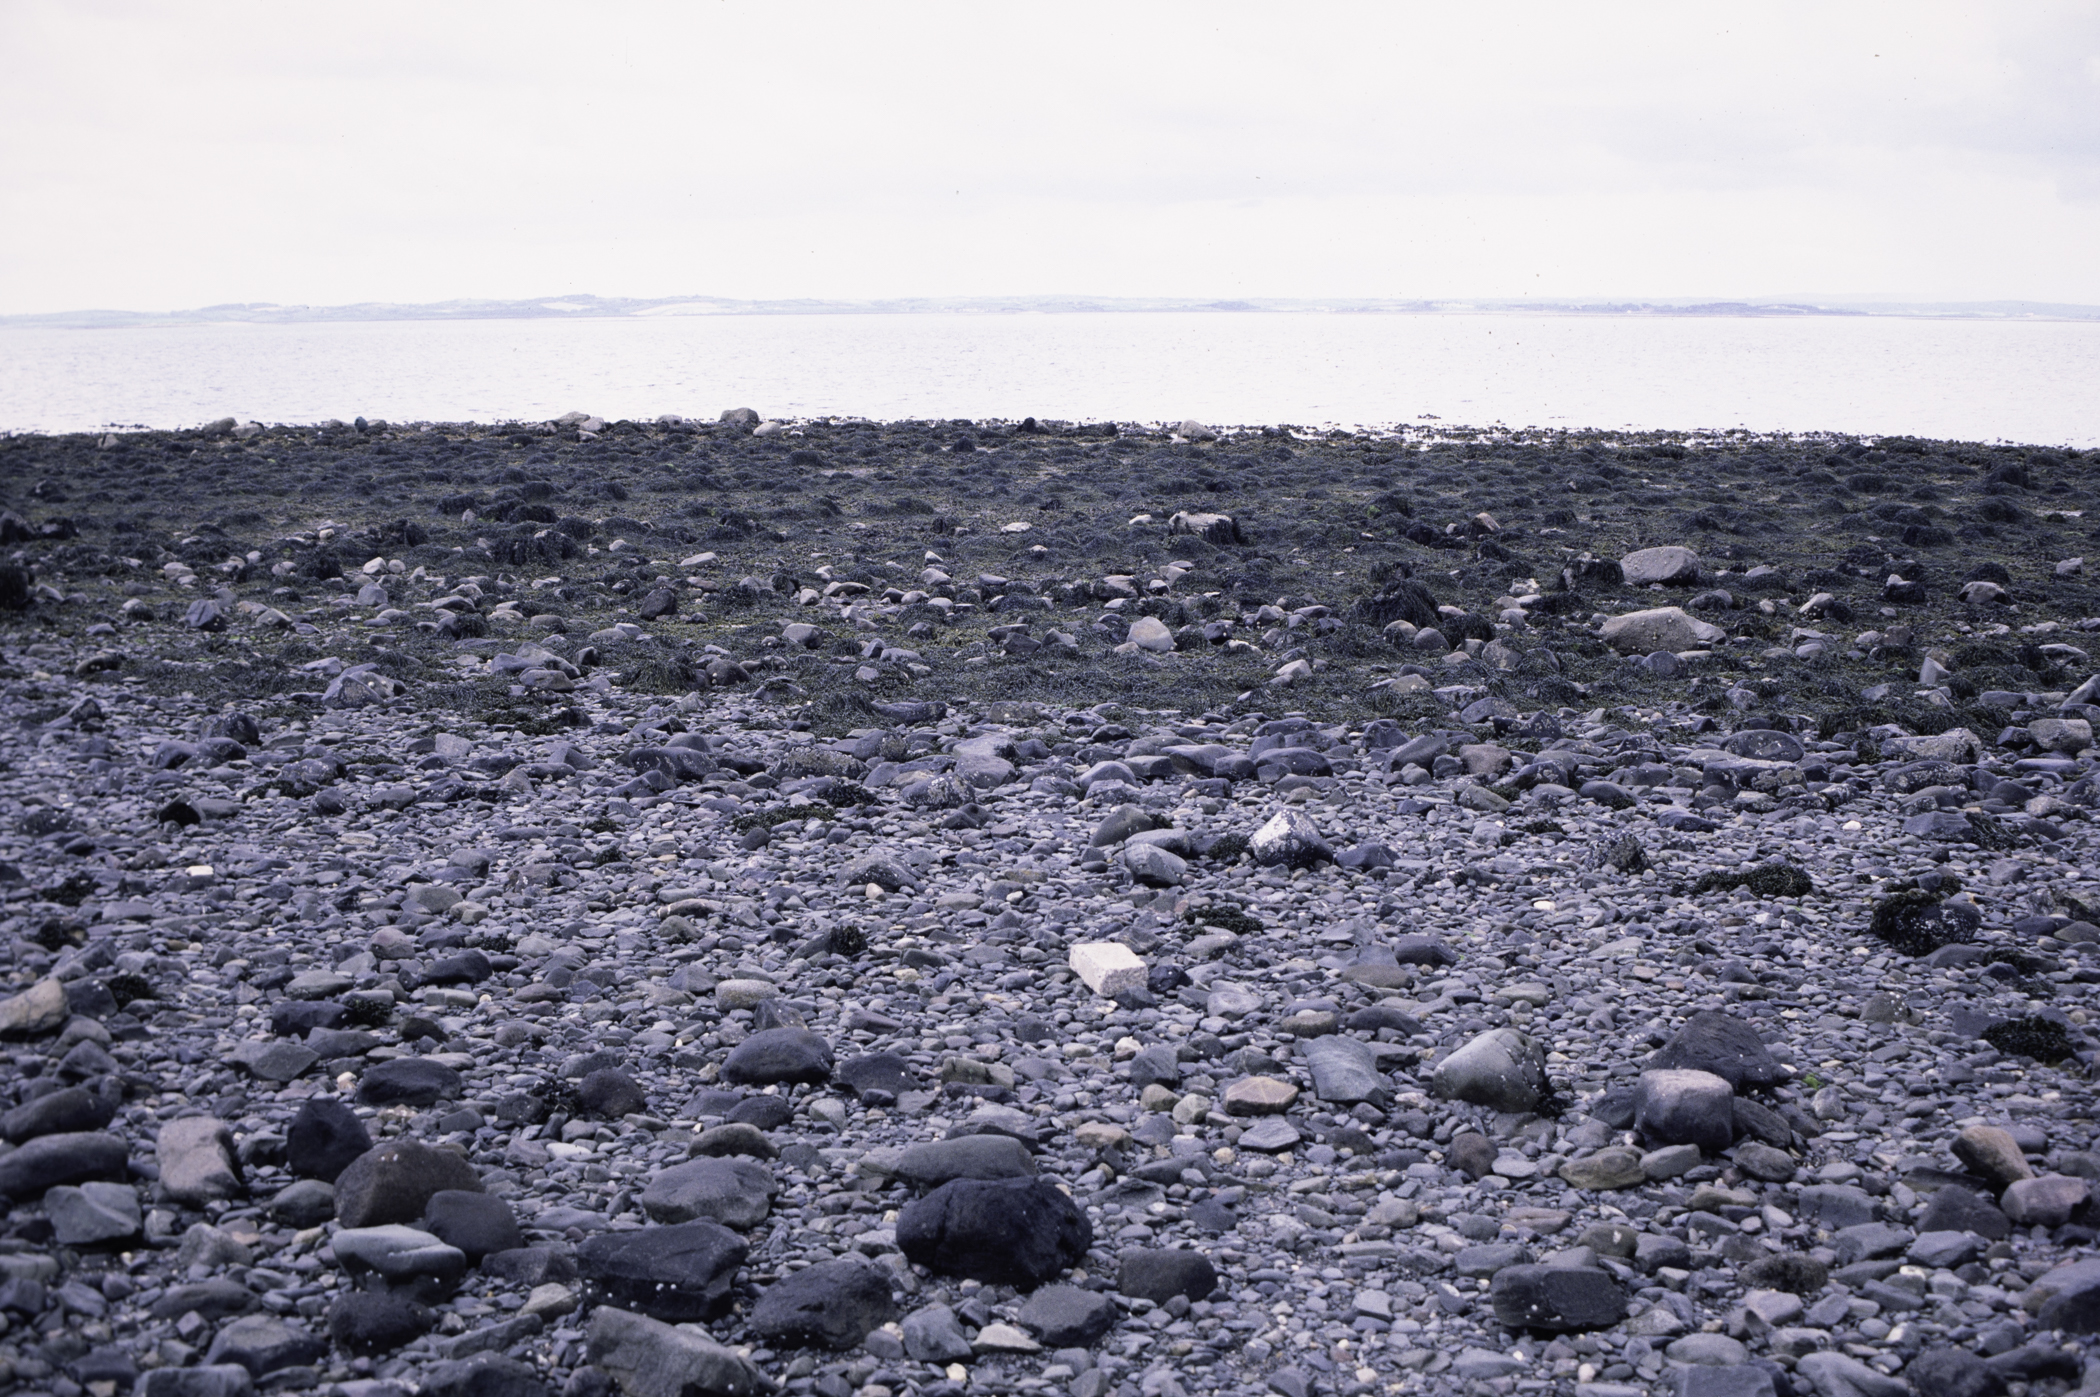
(1917, 922)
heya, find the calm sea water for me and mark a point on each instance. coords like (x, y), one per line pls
(2036, 382)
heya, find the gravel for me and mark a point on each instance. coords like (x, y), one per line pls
(709, 1041)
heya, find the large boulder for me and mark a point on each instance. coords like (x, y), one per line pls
(1501, 1068)
(1289, 840)
(1712, 1040)
(1556, 1298)
(1018, 1232)
(732, 1191)
(833, 1304)
(676, 1273)
(394, 1182)
(649, 1358)
(324, 1138)
(1682, 1106)
(1671, 566)
(1659, 628)
(71, 1158)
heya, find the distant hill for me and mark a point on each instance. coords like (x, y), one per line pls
(617, 307)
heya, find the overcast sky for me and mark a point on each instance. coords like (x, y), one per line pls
(161, 156)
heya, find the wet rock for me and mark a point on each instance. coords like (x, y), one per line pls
(1289, 840)
(734, 1192)
(404, 1257)
(93, 1213)
(483, 1375)
(323, 1138)
(377, 1321)
(40, 1009)
(1991, 1152)
(1712, 1040)
(477, 1223)
(649, 1358)
(936, 1162)
(69, 1110)
(675, 1273)
(1160, 1274)
(1660, 628)
(1017, 1232)
(779, 1055)
(1501, 1068)
(197, 1161)
(833, 1304)
(395, 1181)
(1557, 1299)
(1681, 1106)
(609, 1094)
(265, 1344)
(408, 1081)
(1671, 566)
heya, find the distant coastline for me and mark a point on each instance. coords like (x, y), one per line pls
(579, 307)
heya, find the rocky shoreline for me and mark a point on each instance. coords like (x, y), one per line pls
(1308, 913)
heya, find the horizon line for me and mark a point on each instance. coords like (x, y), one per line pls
(582, 306)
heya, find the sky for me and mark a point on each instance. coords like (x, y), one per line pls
(167, 156)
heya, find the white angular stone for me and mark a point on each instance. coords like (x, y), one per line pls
(1107, 967)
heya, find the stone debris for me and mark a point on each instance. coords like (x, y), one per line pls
(546, 956)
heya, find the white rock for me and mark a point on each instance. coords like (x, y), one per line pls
(1665, 565)
(1107, 967)
(1151, 633)
(1660, 628)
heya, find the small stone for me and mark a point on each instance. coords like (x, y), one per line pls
(1160, 1274)
(1992, 1153)
(1611, 1168)
(197, 1162)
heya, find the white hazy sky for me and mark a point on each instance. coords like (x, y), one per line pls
(159, 156)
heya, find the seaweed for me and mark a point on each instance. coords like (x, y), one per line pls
(1776, 879)
(2043, 1039)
